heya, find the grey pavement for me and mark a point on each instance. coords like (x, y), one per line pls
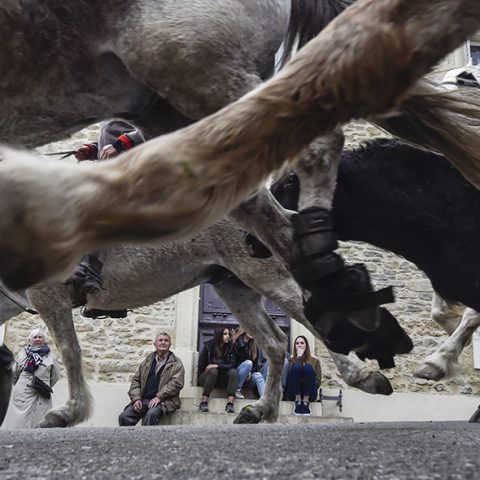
(419, 450)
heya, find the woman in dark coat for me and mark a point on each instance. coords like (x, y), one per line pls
(304, 377)
(217, 367)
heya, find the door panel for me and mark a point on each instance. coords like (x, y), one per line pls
(214, 313)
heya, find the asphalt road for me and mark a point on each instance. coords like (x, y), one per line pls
(420, 450)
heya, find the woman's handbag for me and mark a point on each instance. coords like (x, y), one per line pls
(41, 387)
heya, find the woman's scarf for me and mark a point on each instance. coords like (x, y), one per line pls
(34, 357)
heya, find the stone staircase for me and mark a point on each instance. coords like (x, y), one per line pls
(190, 415)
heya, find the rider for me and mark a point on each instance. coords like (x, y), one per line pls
(115, 137)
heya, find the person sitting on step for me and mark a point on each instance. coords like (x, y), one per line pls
(217, 367)
(304, 377)
(252, 364)
(155, 387)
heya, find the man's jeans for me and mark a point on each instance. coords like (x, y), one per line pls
(129, 417)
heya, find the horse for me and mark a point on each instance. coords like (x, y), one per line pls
(413, 203)
(177, 184)
(136, 275)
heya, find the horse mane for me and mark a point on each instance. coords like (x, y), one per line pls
(307, 19)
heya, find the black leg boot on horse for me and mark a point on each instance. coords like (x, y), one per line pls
(343, 307)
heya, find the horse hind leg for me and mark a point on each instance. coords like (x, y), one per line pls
(447, 314)
(438, 365)
(78, 408)
(246, 305)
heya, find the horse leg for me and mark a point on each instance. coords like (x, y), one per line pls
(438, 365)
(446, 314)
(59, 320)
(258, 215)
(246, 305)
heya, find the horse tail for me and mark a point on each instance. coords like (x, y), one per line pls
(307, 19)
(446, 122)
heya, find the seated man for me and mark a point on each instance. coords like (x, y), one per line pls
(156, 385)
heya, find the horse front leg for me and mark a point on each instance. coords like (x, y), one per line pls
(246, 305)
(59, 321)
(439, 364)
(447, 314)
(358, 374)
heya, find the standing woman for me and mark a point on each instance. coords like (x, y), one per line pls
(36, 365)
(217, 367)
(304, 377)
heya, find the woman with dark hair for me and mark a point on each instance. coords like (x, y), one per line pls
(304, 377)
(217, 367)
(252, 365)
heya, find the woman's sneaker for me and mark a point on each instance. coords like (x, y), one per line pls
(203, 407)
(229, 407)
(298, 409)
(306, 408)
(239, 394)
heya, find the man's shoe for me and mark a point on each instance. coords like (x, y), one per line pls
(203, 407)
(239, 394)
(229, 407)
(298, 409)
(306, 409)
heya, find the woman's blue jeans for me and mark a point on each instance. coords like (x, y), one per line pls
(301, 381)
(256, 379)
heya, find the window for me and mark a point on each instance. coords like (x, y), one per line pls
(475, 53)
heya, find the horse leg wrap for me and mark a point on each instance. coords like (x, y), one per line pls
(313, 244)
(343, 306)
(316, 268)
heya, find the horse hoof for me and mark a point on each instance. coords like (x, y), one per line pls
(248, 415)
(429, 371)
(377, 383)
(53, 420)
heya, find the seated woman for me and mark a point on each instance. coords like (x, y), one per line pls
(304, 377)
(252, 364)
(217, 367)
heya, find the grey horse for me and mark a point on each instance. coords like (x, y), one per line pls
(136, 276)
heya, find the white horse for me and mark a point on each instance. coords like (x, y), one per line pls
(95, 53)
(135, 276)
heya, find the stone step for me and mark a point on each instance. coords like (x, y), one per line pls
(190, 415)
